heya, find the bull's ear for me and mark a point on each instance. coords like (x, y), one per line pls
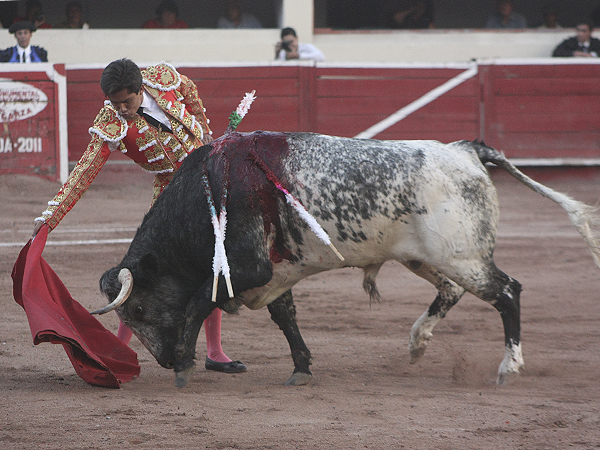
(147, 268)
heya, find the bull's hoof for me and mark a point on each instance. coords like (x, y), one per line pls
(299, 379)
(182, 378)
(512, 362)
(417, 353)
(505, 379)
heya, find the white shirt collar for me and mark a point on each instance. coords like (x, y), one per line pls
(148, 102)
(27, 52)
(151, 108)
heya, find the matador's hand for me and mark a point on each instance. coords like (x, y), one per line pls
(37, 227)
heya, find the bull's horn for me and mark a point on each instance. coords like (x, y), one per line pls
(126, 280)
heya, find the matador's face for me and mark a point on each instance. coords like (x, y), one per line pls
(126, 103)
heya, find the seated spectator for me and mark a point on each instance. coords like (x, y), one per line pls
(408, 14)
(235, 17)
(166, 17)
(505, 17)
(550, 19)
(23, 52)
(34, 14)
(74, 19)
(583, 44)
(289, 48)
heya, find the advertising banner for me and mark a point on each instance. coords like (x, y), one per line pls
(33, 117)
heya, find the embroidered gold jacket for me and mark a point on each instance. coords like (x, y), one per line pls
(152, 149)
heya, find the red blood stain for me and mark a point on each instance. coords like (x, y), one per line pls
(252, 180)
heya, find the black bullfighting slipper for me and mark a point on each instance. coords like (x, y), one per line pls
(228, 367)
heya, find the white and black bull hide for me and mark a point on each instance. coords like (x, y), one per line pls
(428, 205)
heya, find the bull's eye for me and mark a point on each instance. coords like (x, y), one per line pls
(138, 312)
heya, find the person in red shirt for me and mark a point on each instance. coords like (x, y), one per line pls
(166, 17)
(34, 14)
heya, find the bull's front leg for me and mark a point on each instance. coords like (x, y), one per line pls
(198, 309)
(201, 306)
(283, 313)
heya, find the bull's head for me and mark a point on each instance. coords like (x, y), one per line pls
(151, 304)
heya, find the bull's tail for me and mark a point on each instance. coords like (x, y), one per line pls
(584, 217)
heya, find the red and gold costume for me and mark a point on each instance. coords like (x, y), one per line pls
(154, 150)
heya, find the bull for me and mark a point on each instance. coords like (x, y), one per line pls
(430, 206)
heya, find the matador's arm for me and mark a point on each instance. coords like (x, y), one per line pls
(79, 181)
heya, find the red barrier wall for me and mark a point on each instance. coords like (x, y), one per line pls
(542, 110)
(350, 100)
(29, 113)
(84, 101)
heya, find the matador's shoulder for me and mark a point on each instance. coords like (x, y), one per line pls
(163, 77)
(108, 125)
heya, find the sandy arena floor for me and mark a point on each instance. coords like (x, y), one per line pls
(364, 393)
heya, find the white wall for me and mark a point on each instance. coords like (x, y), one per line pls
(437, 46)
(214, 46)
(252, 46)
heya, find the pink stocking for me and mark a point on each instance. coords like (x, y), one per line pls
(124, 333)
(212, 327)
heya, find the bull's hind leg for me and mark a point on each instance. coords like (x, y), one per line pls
(503, 292)
(283, 313)
(449, 293)
(505, 296)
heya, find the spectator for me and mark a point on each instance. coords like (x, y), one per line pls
(408, 14)
(74, 15)
(289, 48)
(235, 17)
(550, 19)
(505, 17)
(34, 14)
(23, 52)
(581, 45)
(166, 17)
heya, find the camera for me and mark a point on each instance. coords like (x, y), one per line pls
(286, 46)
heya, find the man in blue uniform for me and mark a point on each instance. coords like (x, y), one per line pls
(23, 52)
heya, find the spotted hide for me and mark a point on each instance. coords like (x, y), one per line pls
(430, 206)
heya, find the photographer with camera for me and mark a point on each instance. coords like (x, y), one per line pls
(289, 48)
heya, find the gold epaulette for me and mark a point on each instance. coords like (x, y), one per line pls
(163, 77)
(108, 125)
